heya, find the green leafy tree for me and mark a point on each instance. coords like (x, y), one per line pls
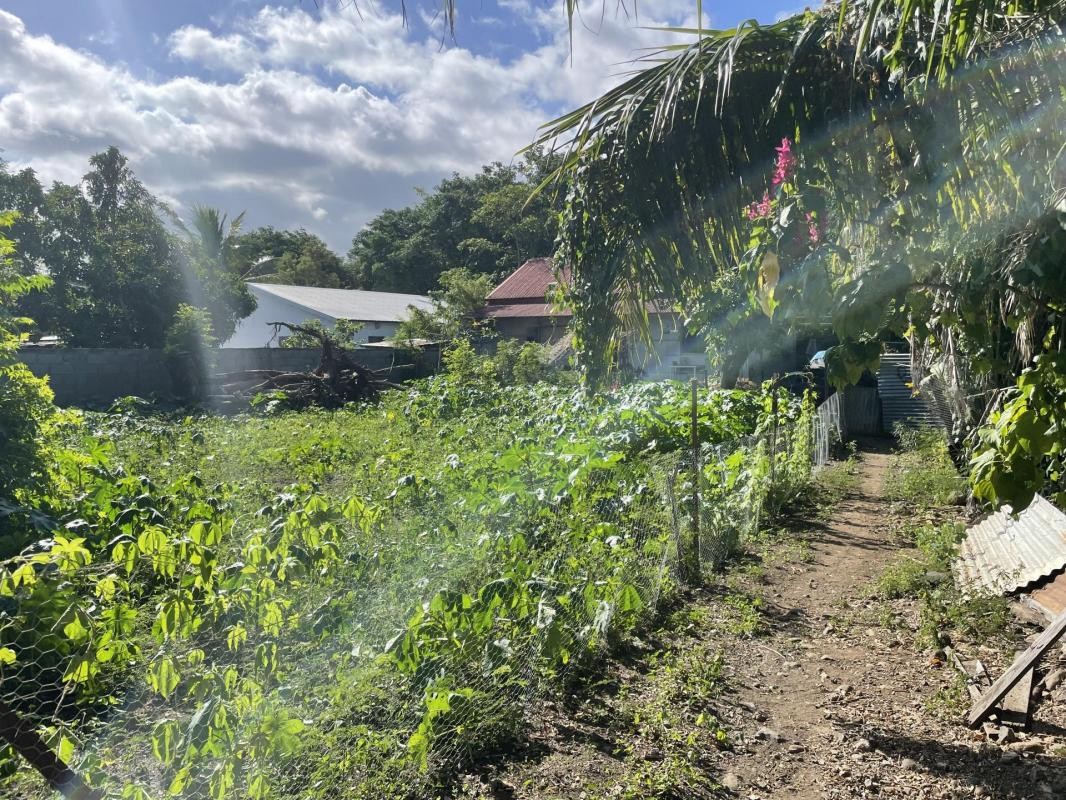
(213, 244)
(491, 222)
(456, 309)
(27, 414)
(257, 255)
(189, 344)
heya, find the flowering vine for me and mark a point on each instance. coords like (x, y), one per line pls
(786, 225)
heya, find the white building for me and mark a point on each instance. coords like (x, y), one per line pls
(380, 312)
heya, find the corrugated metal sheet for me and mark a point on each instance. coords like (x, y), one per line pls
(860, 411)
(530, 281)
(1051, 596)
(1002, 554)
(899, 404)
(347, 303)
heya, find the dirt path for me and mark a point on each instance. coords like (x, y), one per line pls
(834, 704)
(824, 692)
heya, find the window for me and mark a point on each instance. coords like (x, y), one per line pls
(374, 339)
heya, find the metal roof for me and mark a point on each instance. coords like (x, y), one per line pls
(353, 304)
(1002, 554)
(524, 310)
(530, 281)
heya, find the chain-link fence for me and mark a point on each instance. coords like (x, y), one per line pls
(324, 648)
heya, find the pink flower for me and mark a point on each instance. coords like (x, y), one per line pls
(814, 232)
(760, 208)
(785, 166)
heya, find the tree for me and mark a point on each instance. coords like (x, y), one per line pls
(456, 309)
(487, 222)
(314, 264)
(310, 334)
(27, 415)
(930, 226)
(257, 252)
(213, 253)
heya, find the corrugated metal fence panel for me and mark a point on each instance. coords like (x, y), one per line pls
(899, 403)
(827, 428)
(860, 411)
(1002, 554)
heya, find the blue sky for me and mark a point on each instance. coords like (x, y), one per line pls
(303, 114)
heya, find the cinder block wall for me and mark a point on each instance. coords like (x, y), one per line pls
(97, 376)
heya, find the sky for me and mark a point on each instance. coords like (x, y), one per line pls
(304, 114)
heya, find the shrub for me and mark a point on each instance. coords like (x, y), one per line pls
(189, 342)
(924, 475)
(28, 416)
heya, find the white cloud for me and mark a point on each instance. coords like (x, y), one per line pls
(316, 119)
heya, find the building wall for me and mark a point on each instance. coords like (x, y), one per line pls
(95, 377)
(545, 330)
(255, 330)
(673, 354)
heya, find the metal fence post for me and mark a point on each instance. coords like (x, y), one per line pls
(694, 543)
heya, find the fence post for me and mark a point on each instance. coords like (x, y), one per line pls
(773, 432)
(693, 565)
(28, 744)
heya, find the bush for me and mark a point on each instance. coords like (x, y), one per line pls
(28, 416)
(189, 342)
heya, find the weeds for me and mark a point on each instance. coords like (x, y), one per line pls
(675, 726)
(923, 475)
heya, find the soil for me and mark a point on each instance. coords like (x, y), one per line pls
(835, 698)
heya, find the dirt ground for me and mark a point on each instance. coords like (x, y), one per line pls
(833, 698)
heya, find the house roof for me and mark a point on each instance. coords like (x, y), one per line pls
(530, 281)
(353, 304)
(497, 310)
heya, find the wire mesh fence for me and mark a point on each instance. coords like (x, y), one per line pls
(333, 646)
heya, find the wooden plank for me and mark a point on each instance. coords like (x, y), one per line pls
(1021, 665)
(975, 674)
(1015, 706)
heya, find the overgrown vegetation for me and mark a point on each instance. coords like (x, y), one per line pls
(924, 477)
(362, 599)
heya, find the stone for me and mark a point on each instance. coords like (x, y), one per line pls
(768, 734)
(861, 746)
(1054, 678)
(731, 781)
(1009, 755)
(908, 764)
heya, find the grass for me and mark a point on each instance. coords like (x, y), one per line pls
(924, 478)
(672, 726)
(923, 475)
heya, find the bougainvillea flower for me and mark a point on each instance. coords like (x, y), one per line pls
(785, 166)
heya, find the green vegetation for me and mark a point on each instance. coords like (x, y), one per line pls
(363, 599)
(674, 717)
(486, 223)
(923, 475)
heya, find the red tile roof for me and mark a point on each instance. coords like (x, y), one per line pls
(530, 281)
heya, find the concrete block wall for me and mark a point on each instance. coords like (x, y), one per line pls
(95, 377)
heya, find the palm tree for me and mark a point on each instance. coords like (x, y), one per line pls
(916, 114)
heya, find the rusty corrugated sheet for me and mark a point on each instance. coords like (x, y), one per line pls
(530, 281)
(1002, 554)
(1051, 596)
